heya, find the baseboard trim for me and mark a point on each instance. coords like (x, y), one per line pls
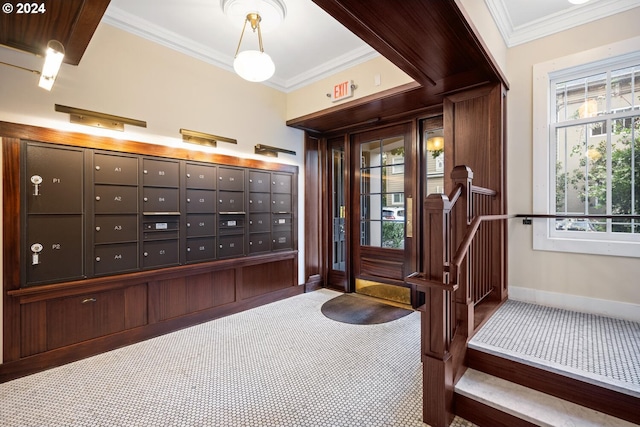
(616, 309)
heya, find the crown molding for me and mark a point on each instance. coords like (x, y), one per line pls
(561, 21)
(125, 21)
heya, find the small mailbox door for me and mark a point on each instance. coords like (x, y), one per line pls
(230, 201)
(281, 240)
(230, 246)
(160, 253)
(116, 199)
(281, 183)
(160, 173)
(115, 228)
(115, 258)
(201, 225)
(201, 249)
(259, 181)
(160, 200)
(230, 179)
(259, 242)
(259, 222)
(118, 170)
(259, 202)
(201, 176)
(201, 201)
(281, 203)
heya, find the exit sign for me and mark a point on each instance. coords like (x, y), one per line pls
(341, 91)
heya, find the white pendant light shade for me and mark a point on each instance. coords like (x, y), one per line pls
(254, 66)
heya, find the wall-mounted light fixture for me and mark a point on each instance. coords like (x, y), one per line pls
(54, 55)
(201, 138)
(100, 120)
(269, 151)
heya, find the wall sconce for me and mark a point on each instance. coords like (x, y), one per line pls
(54, 55)
(100, 120)
(267, 150)
(201, 138)
(435, 144)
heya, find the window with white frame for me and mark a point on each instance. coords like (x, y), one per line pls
(592, 157)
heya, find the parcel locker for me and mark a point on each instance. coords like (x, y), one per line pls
(54, 249)
(230, 246)
(115, 169)
(281, 183)
(160, 200)
(259, 222)
(160, 253)
(281, 240)
(259, 181)
(116, 199)
(281, 203)
(230, 201)
(230, 179)
(201, 176)
(160, 173)
(259, 242)
(201, 249)
(54, 178)
(259, 202)
(201, 225)
(201, 201)
(115, 258)
(115, 228)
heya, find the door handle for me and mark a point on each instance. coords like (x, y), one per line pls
(409, 217)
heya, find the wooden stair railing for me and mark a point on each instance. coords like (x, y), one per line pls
(456, 274)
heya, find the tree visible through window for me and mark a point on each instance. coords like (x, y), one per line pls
(595, 138)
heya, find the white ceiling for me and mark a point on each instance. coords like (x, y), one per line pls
(310, 44)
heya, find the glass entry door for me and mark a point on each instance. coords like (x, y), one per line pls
(381, 197)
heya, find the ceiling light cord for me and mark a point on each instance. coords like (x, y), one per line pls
(254, 19)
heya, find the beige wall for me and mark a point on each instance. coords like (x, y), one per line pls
(597, 283)
(313, 97)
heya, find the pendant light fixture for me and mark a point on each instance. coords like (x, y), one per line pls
(254, 65)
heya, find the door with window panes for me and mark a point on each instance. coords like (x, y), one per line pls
(382, 204)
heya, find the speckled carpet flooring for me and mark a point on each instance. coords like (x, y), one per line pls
(283, 364)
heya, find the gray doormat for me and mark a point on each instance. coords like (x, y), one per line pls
(358, 310)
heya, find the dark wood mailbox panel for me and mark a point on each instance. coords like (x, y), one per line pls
(281, 203)
(113, 169)
(201, 225)
(115, 258)
(281, 240)
(115, 228)
(259, 202)
(259, 181)
(80, 318)
(160, 173)
(201, 249)
(201, 201)
(259, 242)
(281, 183)
(230, 201)
(160, 253)
(230, 179)
(115, 199)
(259, 222)
(201, 176)
(230, 246)
(53, 181)
(160, 200)
(54, 248)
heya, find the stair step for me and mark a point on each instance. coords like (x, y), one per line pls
(530, 405)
